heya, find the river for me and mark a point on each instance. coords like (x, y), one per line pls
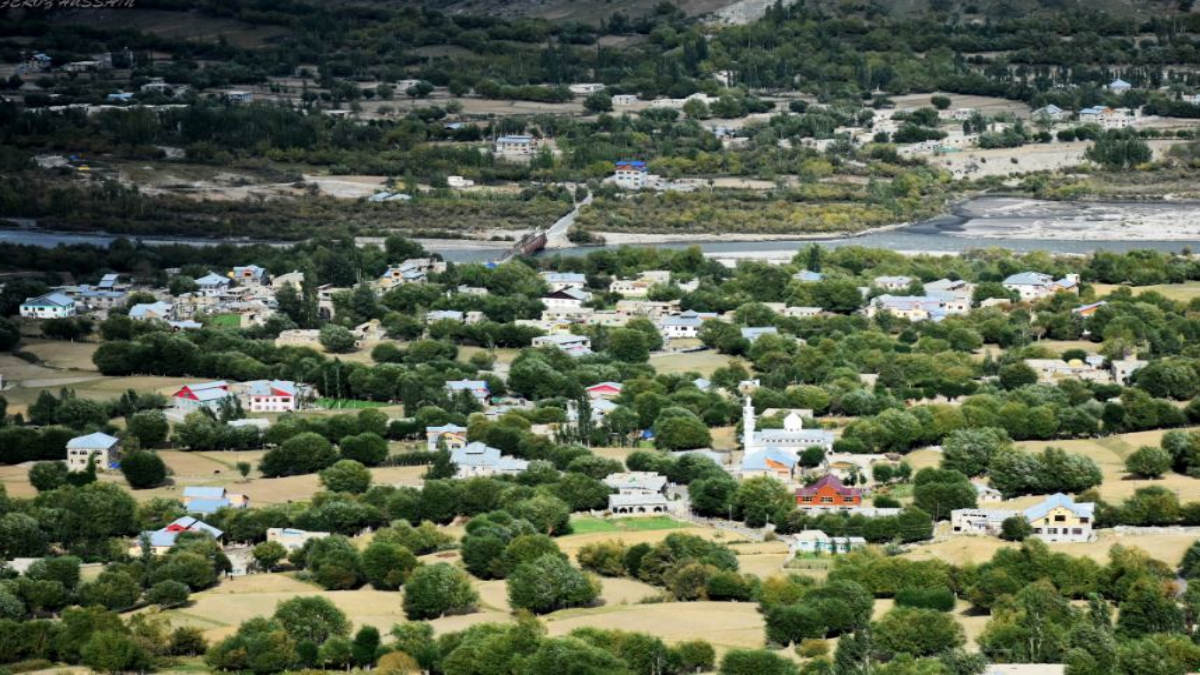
(984, 222)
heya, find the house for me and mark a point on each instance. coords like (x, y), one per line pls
(894, 283)
(774, 463)
(119, 97)
(1051, 113)
(213, 283)
(685, 325)
(81, 449)
(516, 145)
(640, 287)
(792, 437)
(192, 397)
(49, 306)
(637, 482)
(911, 307)
(251, 275)
(1052, 370)
(295, 279)
(624, 99)
(291, 538)
(411, 271)
(558, 281)
(631, 175)
(152, 311)
(828, 493)
(637, 504)
(112, 282)
(459, 182)
(1058, 518)
(605, 390)
(478, 388)
(37, 63)
(262, 396)
(802, 312)
(585, 88)
(1123, 369)
(161, 541)
(1107, 118)
(566, 298)
(599, 409)
(985, 494)
(477, 459)
(1061, 518)
(238, 96)
(158, 85)
(1035, 285)
(1089, 309)
(1119, 86)
(753, 333)
(448, 436)
(208, 500)
(816, 542)
(574, 345)
(808, 277)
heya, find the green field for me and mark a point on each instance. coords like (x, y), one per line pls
(224, 321)
(348, 404)
(592, 525)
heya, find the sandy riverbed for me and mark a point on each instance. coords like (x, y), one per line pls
(1004, 218)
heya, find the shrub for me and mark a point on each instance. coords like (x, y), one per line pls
(941, 599)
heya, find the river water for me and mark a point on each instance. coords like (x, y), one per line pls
(978, 223)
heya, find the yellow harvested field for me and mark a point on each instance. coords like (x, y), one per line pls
(219, 610)
(62, 355)
(1168, 548)
(761, 559)
(1110, 452)
(726, 625)
(15, 479)
(1180, 292)
(922, 459)
(703, 363)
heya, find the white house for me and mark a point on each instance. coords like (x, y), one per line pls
(263, 396)
(151, 311)
(105, 448)
(893, 283)
(624, 99)
(1058, 518)
(558, 281)
(575, 345)
(478, 388)
(251, 275)
(585, 88)
(1050, 113)
(684, 325)
(1119, 86)
(632, 175)
(1035, 285)
(566, 298)
(49, 306)
(291, 538)
(459, 182)
(817, 542)
(477, 459)
(516, 145)
(448, 436)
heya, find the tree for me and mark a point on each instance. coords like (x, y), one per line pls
(435, 590)
(760, 500)
(387, 565)
(149, 427)
(168, 593)
(598, 102)
(313, 618)
(46, 476)
(790, 624)
(919, 632)
(337, 339)
(366, 646)
(368, 448)
(268, 554)
(940, 102)
(114, 652)
(143, 469)
(304, 453)
(939, 491)
(756, 662)
(550, 583)
(1114, 151)
(681, 433)
(628, 345)
(969, 451)
(346, 475)
(1148, 461)
(1015, 528)
(1017, 375)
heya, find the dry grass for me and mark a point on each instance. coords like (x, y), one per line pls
(761, 559)
(63, 355)
(961, 550)
(1110, 452)
(727, 625)
(700, 362)
(1184, 292)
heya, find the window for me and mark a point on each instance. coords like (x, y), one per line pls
(1053, 530)
(1077, 530)
(1060, 519)
(806, 499)
(847, 500)
(826, 500)
(1083, 520)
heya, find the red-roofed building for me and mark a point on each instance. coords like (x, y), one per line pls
(604, 390)
(828, 493)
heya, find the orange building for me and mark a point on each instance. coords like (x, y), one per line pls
(828, 493)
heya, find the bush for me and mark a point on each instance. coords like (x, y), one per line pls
(168, 593)
(1015, 528)
(1148, 461)
(550, 583)
(756, 662)
(606, 558)
(941, 599)
(143, 469)
(436, 590)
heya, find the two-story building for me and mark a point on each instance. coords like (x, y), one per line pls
(568, 343)
(99, 447)
(1035, 285)
(448, 436)
(828, 493)
(49, 306)
(478, 459)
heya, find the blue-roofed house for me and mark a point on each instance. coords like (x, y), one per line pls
(291, 538)
(49, 306)
(208, 500)
(478, 388)
(1088, 309)
(251, 275)
(449, 436)
(516, 144)
(808, 276)
(112, 282)
(752, 333)
(106, 449)
(684, 325)
(893, 283)
(1050, 113)
(911, 307)
(771, 462)
(192, 397)
(568, 343)
(557, 281)
(1061, 518)
(1035, 285)
(631, 175)
(152, 311)
(162, 540)
(213, 283)
(1119, 86)
(478, 459)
